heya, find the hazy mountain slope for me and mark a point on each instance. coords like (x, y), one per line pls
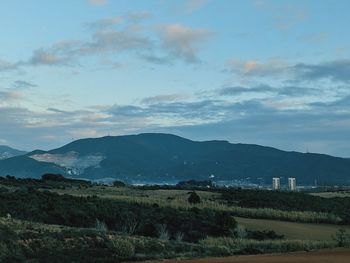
(165, 157)
(8, 152)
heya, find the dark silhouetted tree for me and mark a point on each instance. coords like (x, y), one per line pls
(194, 198)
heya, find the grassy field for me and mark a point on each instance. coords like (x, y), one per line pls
(323, 256)
(292, 230)
(178, 199)
(45, 241)
(332, 194)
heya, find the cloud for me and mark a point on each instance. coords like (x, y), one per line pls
(7, 66)
(163, 98)
(269, 121)
(183, 42)
(23, 84)
(238, 90)
(337, 70)
(105, 23)
(9, 95)
(45, 57)
(289, 91)
(124, 34)
(258, 68)
(133, 18)
(97, 2)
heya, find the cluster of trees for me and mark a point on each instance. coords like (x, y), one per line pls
(195, 184)
(46, 181)
(146, 220)
(288, 201)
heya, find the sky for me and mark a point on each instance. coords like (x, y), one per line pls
(274, 73)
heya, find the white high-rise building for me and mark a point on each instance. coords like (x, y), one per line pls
(292, 184)
(276, 185)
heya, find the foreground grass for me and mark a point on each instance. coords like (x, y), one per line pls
(292, 230)
(23, 241)
(334, 255)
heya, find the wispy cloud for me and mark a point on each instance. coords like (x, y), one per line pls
(23, 84)
(268, 121)
(7, 66)
(337, 70)
(163, 98)
(271, 67)
(182, 42)
(162, 44)
(9, 96)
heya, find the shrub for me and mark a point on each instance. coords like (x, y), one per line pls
(122, 247)
(101, 226)
(341, 237)
(163, 232)
(118, 183)
(194, 198)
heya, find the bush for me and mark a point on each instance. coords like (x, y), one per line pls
(194, 198)
(118, 183)
(10, 251)
(101, 227)
(122, 247)
(342, 237)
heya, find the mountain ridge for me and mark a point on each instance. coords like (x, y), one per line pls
(160, 157)
(8, 152)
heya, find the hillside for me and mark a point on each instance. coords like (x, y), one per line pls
(169, 158)
(8, 152)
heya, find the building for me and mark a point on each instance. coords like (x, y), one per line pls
(292, 184)
(276, 185)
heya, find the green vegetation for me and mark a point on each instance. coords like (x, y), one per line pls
(332, 210)
(292, 230)
(332, 194)
(342, 237)
(22, 241)
(245, 246)
(52, 208)
(58, 219)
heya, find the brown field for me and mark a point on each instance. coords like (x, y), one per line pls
(337, 255)
(292, 230)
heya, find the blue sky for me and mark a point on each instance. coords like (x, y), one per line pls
(267, 72)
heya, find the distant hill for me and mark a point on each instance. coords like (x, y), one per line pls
(8, 152)
(157, 157)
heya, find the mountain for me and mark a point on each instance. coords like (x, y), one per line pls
(8, 152)
(154, 157)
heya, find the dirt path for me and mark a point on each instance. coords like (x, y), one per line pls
(322, 256)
